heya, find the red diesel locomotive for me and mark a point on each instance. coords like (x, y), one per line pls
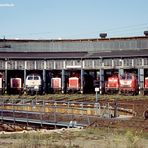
(124, 84)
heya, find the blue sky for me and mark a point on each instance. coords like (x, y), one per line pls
(53, 19)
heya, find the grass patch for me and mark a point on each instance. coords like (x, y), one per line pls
(90, 137)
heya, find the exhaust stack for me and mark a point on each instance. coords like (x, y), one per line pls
(146, 33)
(103, 35)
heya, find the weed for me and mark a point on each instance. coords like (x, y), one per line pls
(132, 140)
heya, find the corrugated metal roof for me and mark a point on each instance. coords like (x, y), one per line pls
(42, 55)
(74, 40)
(79, 45)
(120, 53)
(72, 55)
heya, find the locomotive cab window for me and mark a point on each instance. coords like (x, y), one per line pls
(30, 78)
(36, 78)
(123, 77)
(129, 77)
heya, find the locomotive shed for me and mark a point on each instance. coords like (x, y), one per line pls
(87, 59)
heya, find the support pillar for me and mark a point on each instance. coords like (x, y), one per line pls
(6, 81)
(25, 77)
(121, 71)
(82, 79)
(24, 81)
(141, 80)
(63, 81)
(44, 81)
(101, 81)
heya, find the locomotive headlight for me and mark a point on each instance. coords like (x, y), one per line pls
(36, 87)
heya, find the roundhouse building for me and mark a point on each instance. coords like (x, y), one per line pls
(87, 57)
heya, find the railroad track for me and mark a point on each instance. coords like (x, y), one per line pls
(138, 106)
(137, 124)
